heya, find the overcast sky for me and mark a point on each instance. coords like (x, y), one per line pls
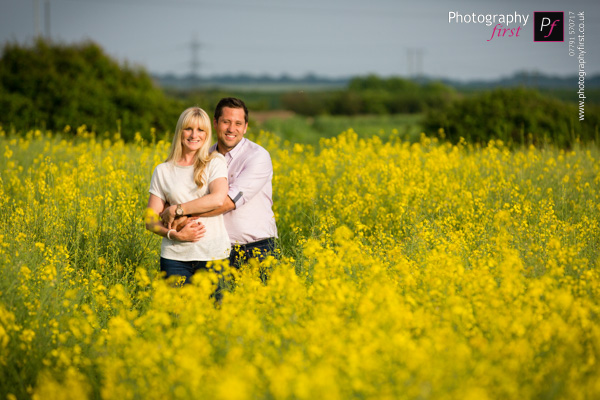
(327, 37)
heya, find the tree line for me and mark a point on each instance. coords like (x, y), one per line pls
(51, 86)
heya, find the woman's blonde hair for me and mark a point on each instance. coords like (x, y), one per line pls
(193, 115)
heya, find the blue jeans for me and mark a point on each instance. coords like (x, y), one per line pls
(188, 268)
(240, 253)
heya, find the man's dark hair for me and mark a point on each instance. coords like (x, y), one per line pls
(230, 102)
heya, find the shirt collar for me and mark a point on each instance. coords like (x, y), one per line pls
(234, 152)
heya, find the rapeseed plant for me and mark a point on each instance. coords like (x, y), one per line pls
(407, 270)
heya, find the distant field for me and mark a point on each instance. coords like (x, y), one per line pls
(307, 130)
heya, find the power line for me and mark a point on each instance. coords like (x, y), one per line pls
(37, 20)
(47, 18)
(36, 17)
(195, 61)
(414, 57)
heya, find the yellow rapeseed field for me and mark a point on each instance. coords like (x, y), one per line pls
(406, 271)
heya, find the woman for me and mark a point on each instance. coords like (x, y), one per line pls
(188, 173)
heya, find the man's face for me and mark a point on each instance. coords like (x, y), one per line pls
(230, 128)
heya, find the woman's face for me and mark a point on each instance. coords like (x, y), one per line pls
(193, 137)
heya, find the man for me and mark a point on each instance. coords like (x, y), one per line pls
(247, 209)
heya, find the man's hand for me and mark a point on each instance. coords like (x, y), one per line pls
(192, 231)
(180, 222)
(168, 216)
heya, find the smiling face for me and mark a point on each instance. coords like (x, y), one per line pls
(231, 127)
(193, 137)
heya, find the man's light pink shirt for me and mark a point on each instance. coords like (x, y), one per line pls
(250, 173)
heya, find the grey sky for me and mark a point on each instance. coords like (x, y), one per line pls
(326, 37)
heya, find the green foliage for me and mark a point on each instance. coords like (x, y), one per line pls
(53, 85)
(569, 95)
(311, 131)
(514, 116)
(310, 103)
(208, 98)
(371, 95)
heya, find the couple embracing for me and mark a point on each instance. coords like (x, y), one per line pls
(215, 201)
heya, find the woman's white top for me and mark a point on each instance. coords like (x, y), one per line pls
(175, 185)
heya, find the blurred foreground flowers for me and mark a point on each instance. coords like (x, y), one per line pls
(408, 271)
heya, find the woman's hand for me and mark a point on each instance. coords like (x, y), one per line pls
(180, 222)
(168, 216)
(193, 231)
